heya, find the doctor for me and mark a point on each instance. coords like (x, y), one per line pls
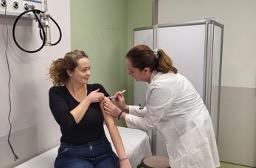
(173, 106)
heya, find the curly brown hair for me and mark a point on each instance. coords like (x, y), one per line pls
(58, 69)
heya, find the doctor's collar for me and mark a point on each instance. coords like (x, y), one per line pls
(153, 75)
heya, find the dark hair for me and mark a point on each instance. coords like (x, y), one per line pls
(58, 69)
(141, 56)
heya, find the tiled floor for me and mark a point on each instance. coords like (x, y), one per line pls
(228, 165)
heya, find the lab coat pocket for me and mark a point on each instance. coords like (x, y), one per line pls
(192, 140)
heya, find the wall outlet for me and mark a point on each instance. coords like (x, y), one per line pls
(16, 7)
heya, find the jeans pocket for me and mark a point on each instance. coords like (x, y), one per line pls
(63, 150)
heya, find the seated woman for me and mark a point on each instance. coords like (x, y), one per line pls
(77, 108)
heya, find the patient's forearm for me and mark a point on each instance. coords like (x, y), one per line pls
(114, 133)
(117, 141)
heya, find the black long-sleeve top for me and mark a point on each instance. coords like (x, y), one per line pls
(90, 128)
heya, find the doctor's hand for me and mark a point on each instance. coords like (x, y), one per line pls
(109, 120)
(120, 101)
(111, 109)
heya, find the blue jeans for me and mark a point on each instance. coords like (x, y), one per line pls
(96, 154)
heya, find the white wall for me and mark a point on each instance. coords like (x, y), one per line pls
(34, 129)
(237, 119)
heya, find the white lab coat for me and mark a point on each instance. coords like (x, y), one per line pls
(175, 108)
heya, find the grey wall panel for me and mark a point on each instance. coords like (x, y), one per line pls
(237, 133)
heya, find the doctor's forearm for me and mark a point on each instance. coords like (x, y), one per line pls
(137, 122)
(123, 116)
(125, 109)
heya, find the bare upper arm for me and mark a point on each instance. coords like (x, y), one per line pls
(107, 118)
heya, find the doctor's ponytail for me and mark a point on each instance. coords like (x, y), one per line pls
(164, 63)
(142, 56)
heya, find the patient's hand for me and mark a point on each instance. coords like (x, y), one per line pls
(96, 96)
(125, 164)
